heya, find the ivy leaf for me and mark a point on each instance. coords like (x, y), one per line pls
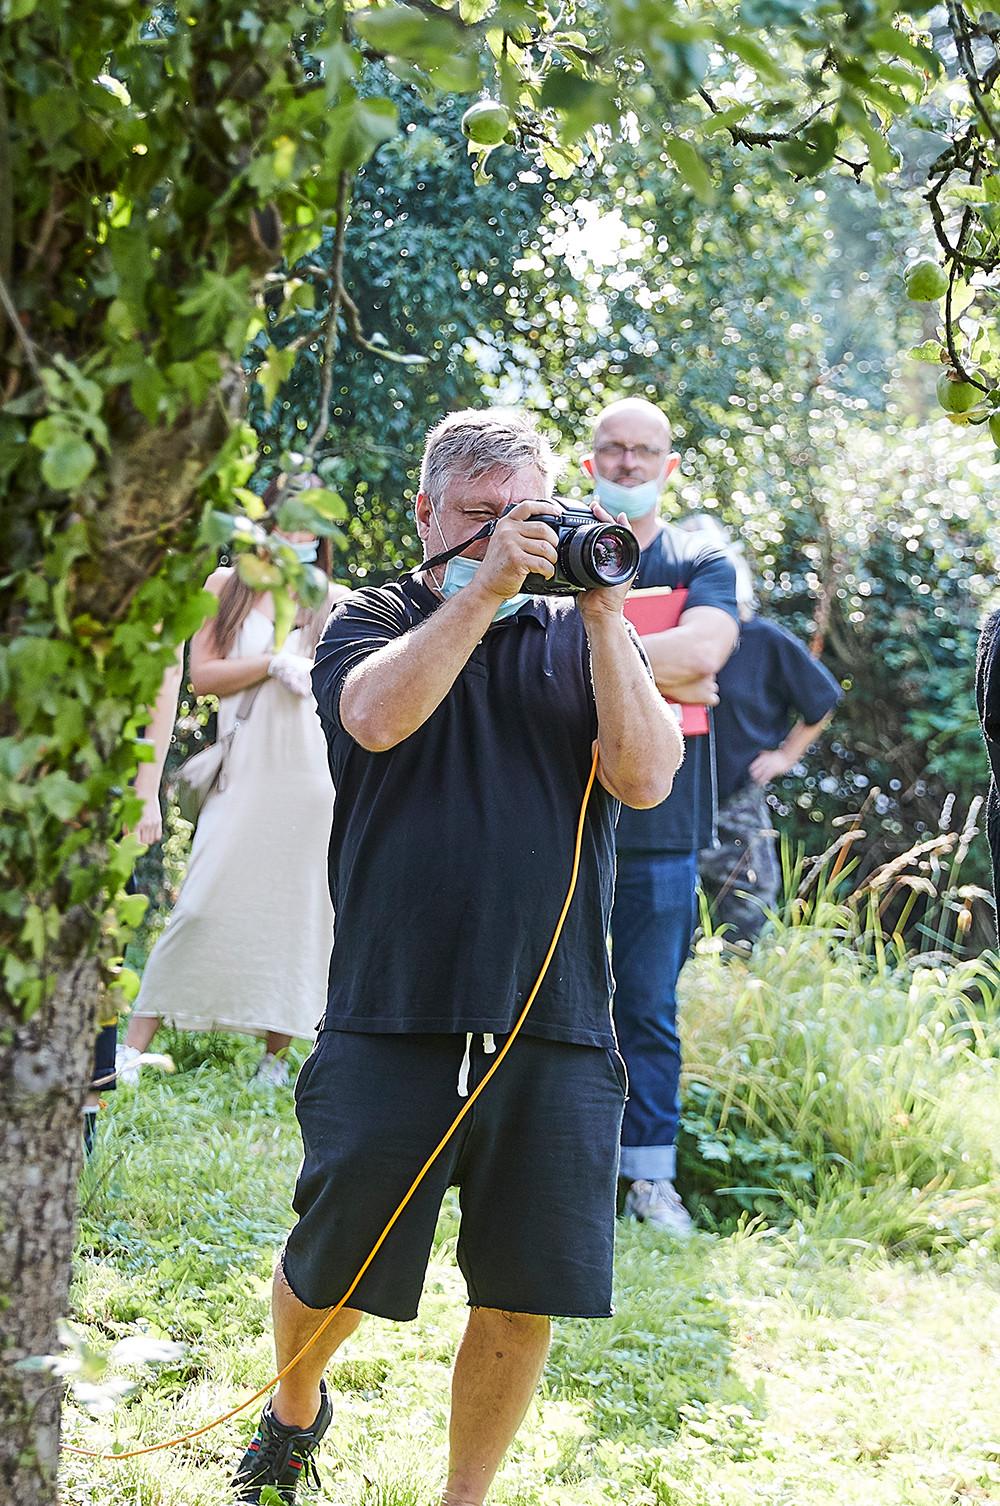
(131, 908)
(68, 462)
(275, 369)
(60, 795)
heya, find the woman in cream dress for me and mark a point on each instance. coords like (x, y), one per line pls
(248, 944)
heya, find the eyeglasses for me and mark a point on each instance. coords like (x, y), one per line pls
(612, 450)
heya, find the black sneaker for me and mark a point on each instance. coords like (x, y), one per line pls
(280, 1456)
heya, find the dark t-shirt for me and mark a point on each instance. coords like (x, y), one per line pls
(685, 821)
(988, 703)
(770, 677)
(451, 853)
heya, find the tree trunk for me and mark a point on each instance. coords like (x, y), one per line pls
(45, 1071)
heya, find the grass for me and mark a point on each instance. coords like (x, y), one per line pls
(789, 1358)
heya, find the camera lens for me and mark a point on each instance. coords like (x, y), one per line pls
(602, 554)
(610, 556)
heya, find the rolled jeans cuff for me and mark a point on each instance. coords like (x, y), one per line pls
(648, 1163)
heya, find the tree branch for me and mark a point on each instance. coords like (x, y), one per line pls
(332, 319)
(27, 344)
(959, 26)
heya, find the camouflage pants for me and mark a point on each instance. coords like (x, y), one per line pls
(742, 877)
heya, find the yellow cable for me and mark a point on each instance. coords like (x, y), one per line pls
(155, 1448)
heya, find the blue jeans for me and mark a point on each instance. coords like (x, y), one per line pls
(651, 928)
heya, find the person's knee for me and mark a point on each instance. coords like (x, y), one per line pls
(522, 1328)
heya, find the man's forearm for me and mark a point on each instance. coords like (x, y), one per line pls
(677, 655)
(393, 692)
(801, 738)
(640, 743)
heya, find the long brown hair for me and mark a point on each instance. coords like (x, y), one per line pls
(236, 599)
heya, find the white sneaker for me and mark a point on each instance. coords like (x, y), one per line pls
(659, 1204)
(128, 1065)
(272, 1070)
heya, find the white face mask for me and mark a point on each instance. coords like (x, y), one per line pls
(633, 501)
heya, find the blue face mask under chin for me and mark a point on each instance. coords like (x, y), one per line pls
(460, 571)
(307, 553)
(633, 501)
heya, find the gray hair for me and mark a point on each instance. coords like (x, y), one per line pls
(473, 442)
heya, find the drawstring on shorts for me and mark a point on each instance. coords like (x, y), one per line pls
(489, 1047)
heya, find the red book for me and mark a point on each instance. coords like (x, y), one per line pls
(653, 610)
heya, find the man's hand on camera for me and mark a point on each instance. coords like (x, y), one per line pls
(604, 600)
(518, 548)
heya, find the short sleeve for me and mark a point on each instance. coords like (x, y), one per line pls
(809, 686)
(358, 626)
(712, 583)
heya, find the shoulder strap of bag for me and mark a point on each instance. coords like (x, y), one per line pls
(246, 701)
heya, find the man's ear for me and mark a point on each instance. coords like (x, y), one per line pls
(673, 461)
(422, 513)
(588, 464)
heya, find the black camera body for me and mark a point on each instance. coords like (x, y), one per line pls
(591, 554)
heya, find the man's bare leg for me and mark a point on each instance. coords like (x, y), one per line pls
(296, 1402)
(498, 1367)
(275, 1042)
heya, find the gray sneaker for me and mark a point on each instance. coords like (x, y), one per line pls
(658, 1203)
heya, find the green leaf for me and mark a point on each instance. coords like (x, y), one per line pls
(60, 795)
(284, 615)
(929, 351)
(130, 908)
(691, 166)
(33, 931)
(472, 11)
(723, 119)
(259, 574)
(276, 368)
(754, 54)
(67, 463)
(582, 102)
(54, 114)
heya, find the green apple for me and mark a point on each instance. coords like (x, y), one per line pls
(486, 123)
(956, 396)
(925, 281)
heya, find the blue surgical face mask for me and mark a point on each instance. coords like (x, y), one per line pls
(458, 573)
(633, 501)
(307, 553)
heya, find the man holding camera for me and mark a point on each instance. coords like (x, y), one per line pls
(462, 717)
(654, 911)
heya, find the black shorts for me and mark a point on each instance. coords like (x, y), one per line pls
(535, 1162)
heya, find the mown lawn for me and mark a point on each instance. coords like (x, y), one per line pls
(756, 1365)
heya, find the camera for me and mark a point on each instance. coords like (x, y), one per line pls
(590, 554)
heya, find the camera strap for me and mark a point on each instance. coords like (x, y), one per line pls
(449, 554)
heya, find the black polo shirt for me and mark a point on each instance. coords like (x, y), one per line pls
(770, 677)
(451, 853)
(685, 821)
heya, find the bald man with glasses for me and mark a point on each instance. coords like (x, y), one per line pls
(654, 910)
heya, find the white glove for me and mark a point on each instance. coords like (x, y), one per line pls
(292, 671)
